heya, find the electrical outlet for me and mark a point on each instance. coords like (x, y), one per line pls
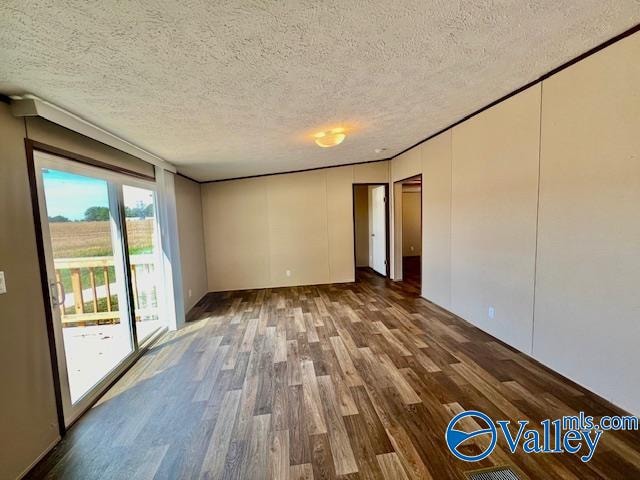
(3, 285)
(288, 273)
(492, 313)
(190, 293)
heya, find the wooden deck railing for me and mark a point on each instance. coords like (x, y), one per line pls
(87, 294)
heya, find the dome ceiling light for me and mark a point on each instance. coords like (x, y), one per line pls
(330, 138)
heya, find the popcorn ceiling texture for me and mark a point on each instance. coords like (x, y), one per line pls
(228, 88)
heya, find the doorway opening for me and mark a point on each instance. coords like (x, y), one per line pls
(408, 231)
(371, 227)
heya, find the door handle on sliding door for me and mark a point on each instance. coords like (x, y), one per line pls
(55, 300)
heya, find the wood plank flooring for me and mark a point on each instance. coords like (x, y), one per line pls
(350, 381)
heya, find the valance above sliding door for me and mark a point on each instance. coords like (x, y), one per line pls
(43, 131)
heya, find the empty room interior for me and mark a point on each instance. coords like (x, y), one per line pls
(320, 240)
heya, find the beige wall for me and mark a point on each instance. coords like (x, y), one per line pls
(361, 211)
(556, 165)
(190, 231)
(297, 229)
(587, 296)
(236, 234)
(436, 219)
(493, 217)
(480, 188)
(411, 218)
(403, 166)
(340, 222)
(258, 229)
(409, 164)
(373, 172)
(27, 402)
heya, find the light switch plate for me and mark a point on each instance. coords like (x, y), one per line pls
(3, 285)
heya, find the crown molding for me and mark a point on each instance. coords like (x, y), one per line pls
(551, 73)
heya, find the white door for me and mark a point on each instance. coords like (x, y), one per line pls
(378, 230)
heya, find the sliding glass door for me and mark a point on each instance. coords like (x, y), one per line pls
(144, 257)
(101, 246)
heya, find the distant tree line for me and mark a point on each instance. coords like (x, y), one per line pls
(139, 211)
(58, 219)
(101, 214)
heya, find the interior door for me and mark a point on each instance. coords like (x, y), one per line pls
(378, 230)
(89, 288)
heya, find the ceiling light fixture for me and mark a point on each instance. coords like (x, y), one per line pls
(330, 138)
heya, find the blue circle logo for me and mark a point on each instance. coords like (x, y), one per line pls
(456, 437)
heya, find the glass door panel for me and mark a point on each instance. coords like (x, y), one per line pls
(85, 267)
(144, 258)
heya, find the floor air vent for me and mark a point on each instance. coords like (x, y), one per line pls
(496, 473)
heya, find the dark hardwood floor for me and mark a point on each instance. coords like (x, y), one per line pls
(412, 274)
(351, 381)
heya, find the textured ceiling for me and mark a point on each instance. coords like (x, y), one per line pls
(227, 88)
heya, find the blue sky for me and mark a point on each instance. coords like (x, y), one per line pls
(70, 195)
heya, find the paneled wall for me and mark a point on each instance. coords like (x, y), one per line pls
(494, 197)
(291, 229)
(587, 309)
(402, 167)
(436, 219)
(531, 224)
(340, 221)
(190, 231)
(236, 234)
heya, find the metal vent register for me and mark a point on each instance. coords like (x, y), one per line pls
(497, 473)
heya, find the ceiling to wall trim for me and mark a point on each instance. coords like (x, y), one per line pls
(287, 173)
(550, 73)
